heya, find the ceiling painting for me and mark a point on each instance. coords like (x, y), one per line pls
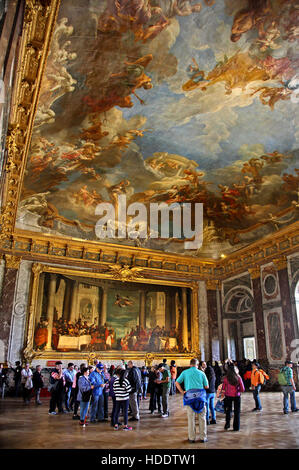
(168, 101)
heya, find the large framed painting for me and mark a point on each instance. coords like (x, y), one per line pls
(76, 312)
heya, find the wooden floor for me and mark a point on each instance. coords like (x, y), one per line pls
(30, 427)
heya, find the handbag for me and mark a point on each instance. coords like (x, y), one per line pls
(220, 406)
(86, 395)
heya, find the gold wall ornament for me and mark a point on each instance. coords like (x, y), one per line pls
(91, 357)
(125, 273)
(148, 359)
(37, 268)
(213, 284)
(280, 263)
(12, 262)
(255, 272)
(28, 355)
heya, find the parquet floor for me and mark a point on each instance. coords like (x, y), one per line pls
(30, 427)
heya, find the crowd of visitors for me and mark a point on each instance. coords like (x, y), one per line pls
(85, 390)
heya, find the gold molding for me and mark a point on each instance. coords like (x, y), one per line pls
(280, 263)
(12, 262)
(39, 21)
(255, 272)
(213, 284)
(125, 273)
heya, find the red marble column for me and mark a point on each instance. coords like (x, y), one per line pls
(259, 314)
(286, 306)
(212, 313)
(7, 298)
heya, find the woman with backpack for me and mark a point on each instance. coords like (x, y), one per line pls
(257, 380)
(122, 389)
(84, 394)
(232, 388)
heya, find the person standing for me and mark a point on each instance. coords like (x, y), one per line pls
(38, 383)
(69, 375)
(209, 371)
(112, 395)
(218, 374)
(144, 381)
(165, 382)
(84, 393)
(76, 390)
(232, 388)
(26, 375)
(134, 377)
(173, 376)
(122, 389)
(106, 377)
(97, 399)
(57, 383)
(195, 380)
(17, 377)
(289, 388)
(257, 380)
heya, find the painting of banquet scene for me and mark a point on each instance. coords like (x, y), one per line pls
(86, 314)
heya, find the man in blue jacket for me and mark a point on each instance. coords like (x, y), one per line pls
(97, 399)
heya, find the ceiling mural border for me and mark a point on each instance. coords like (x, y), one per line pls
(38, 26)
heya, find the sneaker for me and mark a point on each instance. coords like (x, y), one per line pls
(164, 415)
(295, 411)
(203, 440)
(152, 412)
(286, 412)
(115, 427)
(133, 419)
(255, 409)
(227, 426)
(191, 441)
(127, 428)
(82, 423)
(52, 413)
(213, 421)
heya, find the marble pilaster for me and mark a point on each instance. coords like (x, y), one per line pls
(18, 324)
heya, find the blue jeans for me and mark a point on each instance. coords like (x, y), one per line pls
(173, 387)
(83, 409)
(97, 408)
(286, 390)
(144, 389)
(124, 404)
(106, 397)
(256, 397)
(210, 406)
(68, 391)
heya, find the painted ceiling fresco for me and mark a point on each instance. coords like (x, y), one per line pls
(174, 101)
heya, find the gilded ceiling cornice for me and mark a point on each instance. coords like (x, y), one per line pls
(39, 21)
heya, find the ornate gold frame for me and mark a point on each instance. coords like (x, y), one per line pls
(37, 268)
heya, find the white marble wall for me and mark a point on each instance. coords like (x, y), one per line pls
(20, 309)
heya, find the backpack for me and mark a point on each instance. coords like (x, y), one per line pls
(282, 378)
(265, 377)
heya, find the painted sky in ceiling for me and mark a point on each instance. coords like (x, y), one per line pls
(174, 101)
